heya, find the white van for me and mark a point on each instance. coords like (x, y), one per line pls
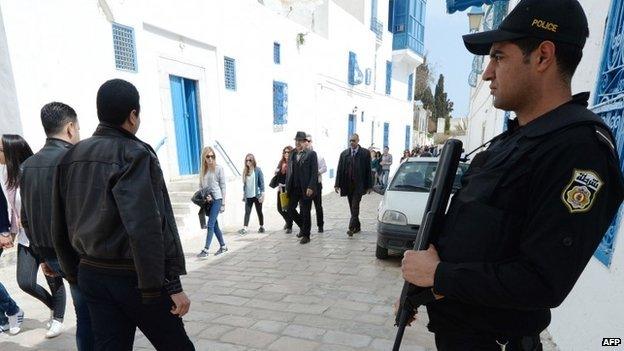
(402, 207)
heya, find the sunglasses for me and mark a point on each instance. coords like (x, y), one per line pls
(248, 160)
(353, 141)
(210, 156)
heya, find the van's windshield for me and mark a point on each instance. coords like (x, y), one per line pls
(418, 176)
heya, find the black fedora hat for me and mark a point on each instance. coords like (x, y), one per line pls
(301, 136)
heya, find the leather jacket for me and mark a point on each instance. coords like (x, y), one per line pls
(112, 212)
(36, 192)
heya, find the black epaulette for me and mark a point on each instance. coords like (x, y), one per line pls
(606, 138)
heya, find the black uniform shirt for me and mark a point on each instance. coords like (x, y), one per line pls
(532, 209)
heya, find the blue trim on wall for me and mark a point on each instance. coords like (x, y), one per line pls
(388, 77)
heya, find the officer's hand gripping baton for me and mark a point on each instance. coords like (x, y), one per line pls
(413, 296)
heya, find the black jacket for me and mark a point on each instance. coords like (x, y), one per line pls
(112, 212)
(361, 172)
(302, 174)
(532, 209)
(36, 193)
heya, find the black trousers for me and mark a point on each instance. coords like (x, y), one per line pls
(454, 342)
(250, 202)
(354, 206)
(318, 205)
(27, 267)
(284, 213)
(301, 218)
(116, 311)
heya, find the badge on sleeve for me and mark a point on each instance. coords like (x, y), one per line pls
(580, 193)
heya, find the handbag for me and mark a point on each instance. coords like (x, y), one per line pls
(274, 182)
(284, 199)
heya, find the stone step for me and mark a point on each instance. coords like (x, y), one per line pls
(180, 197)
(183, 186)
(182, 209)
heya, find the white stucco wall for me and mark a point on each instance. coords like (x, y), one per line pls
(595, 307)
(10, 122)
(63, 51)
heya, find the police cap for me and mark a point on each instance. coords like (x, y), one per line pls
(561, 21)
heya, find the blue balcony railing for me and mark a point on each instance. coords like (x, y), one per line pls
(377, 27)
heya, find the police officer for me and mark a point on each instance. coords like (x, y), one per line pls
(535, 205)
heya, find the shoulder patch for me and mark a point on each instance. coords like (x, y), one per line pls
(581, 191)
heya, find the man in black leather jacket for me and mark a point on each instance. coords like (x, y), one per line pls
(62, 129)
(114, 230)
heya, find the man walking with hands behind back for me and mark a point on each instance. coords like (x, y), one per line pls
(114, 231)
(354, 179)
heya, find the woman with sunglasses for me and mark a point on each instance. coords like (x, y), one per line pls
(15, 150)
(212, 178)
(253, 190)
(280, 172)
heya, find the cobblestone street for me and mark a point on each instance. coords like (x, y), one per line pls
(271, 293)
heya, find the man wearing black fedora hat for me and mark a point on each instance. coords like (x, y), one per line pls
(301, 185)
(535, 204)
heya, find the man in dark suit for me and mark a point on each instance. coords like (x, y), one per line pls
(354, 179)
(301, 185)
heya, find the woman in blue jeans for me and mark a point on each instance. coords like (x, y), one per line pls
(212, 179)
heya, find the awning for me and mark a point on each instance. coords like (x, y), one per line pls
(460, 5)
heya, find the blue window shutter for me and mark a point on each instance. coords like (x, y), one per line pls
(355, 75)
(368, 74)
(229, 65)
(276, 53)
(386, 134)
(410, 87)
(280, 103)
(125, 48)
(388, 77)
(408, 134)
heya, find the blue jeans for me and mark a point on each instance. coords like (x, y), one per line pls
(384, 177)
(84, 334)
(8, 307)
(213, 224)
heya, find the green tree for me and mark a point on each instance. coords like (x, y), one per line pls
(442, 106)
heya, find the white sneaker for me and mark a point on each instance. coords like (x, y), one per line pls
(56, 328)
(49, 322)
(15, 322)
(4, 328)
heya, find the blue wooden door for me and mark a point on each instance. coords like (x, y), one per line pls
(186, 121)
(351, 129)
(408, 134)
(386, 134)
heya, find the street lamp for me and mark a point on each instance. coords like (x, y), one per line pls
(474, 18)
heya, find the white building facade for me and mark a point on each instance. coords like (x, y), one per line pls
(595, 307)
(242, 76)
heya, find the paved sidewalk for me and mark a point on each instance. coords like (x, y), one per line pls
(271, 293)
